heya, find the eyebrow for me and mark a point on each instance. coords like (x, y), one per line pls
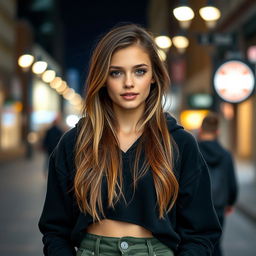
(136, 66)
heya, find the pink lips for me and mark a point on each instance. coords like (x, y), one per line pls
(129, 96)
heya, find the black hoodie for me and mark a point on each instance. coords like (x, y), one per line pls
(191, 228)
(223, 180)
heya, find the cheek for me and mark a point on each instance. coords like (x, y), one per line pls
(146, 86)
(111, 90)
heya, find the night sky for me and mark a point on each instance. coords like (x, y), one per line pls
(85, 21)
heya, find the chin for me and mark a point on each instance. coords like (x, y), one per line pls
(130, 106)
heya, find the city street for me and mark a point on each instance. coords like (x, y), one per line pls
(22, 191)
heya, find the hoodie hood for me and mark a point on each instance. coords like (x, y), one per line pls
(211, 151)
(172, 123)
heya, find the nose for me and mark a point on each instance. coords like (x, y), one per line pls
(128, 83)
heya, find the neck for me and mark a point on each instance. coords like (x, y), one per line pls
(208, 136)
(128, 119)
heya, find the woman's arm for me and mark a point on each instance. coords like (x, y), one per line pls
(197, 223)
(56, 222)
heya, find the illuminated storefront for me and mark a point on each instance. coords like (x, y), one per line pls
(45, 105)
(10, 125)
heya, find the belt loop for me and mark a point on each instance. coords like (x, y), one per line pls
(97, 247)
(150, 248)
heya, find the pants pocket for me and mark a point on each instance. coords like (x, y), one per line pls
(164, 253)
(84, 252)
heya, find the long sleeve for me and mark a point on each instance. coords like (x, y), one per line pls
(197, 222)
(56, 221)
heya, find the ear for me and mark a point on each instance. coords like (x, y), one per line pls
(153, 80)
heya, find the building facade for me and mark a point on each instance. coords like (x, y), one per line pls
(238, 22)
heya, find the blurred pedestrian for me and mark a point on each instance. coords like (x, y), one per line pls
(51, 138)
(128, 180)
(221, 167)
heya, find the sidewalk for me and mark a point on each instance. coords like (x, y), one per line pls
(22, 193)
(247, 189)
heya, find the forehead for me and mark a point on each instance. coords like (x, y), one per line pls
(130, 56)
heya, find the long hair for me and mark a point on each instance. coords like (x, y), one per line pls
(97, 152)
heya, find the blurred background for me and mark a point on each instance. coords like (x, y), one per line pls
(45, 46)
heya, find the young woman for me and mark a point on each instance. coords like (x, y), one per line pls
(127, 180)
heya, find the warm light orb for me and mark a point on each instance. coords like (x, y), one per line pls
(48, 76)
(25, 60)
(76, 100)
(163, 42)
(39, 67)
(192, 119)
(180, 42)
(32, 137)
(183, 13)
(69, 94)
(56, 82)
(60, 89)
(210, 13)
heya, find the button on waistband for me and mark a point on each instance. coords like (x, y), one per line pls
(124, 245)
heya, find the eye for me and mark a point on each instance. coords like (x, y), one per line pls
(140, 72)
(115, 73)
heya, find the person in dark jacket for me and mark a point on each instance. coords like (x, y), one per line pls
(221, 167)
(128, 180)
(52, 137)
(50, 140)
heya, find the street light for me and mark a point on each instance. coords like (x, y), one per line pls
(25, 60)
(210, 14)
(180, 42)
(60, 89)
(163, 42)
(48, 75)
(56, 82)
(39, 67)
(184, 14)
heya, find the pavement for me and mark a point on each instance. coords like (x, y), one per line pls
(22, 193)
(246, 175)
(240, 227)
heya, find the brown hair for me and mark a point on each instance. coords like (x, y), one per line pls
(97, 152)
(210, 123)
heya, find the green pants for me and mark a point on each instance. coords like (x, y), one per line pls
(125, 246)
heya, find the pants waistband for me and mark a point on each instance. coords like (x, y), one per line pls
(132, 239)
(119, 245)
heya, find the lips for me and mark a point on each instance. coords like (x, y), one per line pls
(129, 96)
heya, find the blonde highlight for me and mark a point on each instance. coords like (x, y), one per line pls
(97, 153)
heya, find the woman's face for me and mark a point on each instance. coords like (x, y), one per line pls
(129, 78)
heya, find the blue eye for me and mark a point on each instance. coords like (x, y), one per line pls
(140, 72)
(115, 73)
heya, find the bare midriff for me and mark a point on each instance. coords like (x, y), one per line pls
(114, 228)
